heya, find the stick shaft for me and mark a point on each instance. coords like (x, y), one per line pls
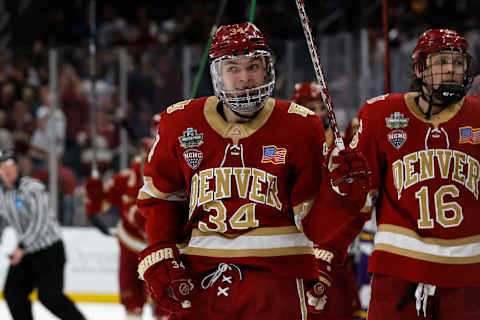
(319, 72)
(387, 46)
(93, 87)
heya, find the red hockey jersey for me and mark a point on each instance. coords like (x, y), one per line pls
(121, 191)
(249, 186)
(427, 175)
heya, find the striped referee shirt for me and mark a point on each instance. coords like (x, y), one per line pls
(26, 209)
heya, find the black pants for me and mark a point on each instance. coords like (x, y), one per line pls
(42, 270)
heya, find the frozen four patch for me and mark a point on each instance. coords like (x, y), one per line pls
(396, 121)
(191, 139)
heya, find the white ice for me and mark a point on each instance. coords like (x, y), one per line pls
(92, 311)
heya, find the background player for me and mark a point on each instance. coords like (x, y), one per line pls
(121, 191)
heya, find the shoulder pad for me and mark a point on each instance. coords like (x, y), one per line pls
(178, 106)
(300, 110)
(378, 98)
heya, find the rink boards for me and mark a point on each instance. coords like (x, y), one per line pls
(91, 272)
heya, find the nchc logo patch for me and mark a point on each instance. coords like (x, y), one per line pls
(397, 138)
(272, 154)
(191, 139)
(193, 158)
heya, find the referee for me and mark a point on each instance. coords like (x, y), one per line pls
(38, 260)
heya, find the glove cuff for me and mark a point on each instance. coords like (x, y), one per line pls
(153, 255)
(327, 260)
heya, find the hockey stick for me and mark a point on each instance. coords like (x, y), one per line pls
(387, 46)
(198, 77)
(92, 49)
(319, 73)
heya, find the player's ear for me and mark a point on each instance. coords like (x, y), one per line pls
(416, 69)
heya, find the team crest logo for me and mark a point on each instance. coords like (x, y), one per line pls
(191, 139)
(272, 154)
(193, 158)
(396, 121)
(397, 138)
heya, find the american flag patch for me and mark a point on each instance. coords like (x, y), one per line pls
(469, 135)
(272, 154)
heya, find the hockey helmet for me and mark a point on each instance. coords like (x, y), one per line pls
(441, 41)
(305, 92)
(234, 42)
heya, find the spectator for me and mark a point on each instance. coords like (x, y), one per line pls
(113, 29)
(50, 133)
(21, 124)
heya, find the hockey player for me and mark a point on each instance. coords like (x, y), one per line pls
(423, 150)
(343, 302)
(251, 168)
(121, 191)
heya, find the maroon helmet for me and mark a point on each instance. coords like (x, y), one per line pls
(237, 41)
(436, 40)
(441, 41)
(306, 91)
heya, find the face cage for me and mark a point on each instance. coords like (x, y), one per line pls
(247, 100)
(427, 73)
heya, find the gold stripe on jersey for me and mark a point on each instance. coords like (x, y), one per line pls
(366, 236)
(425, 256)
(148, 190)
(268, 231)
(129, 240)
(302, 300)
(405, 242)
(300, 211)
(436, 119)
(242, 130)
(260, 242)
(239, 253)
(437, 241)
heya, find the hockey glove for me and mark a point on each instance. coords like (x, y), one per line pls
(99, 224)
(350, 175)
(325, 260)
(167, 279)
(94, 195)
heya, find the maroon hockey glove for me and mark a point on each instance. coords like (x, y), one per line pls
(94, 195)
(167, 279)
(350, 175)
(325, 260)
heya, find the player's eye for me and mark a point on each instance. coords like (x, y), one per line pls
(232, 69)
(253, 67)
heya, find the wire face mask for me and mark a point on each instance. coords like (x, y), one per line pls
(445, 76)
(245, 82)
(441, 67)
(242, 67)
